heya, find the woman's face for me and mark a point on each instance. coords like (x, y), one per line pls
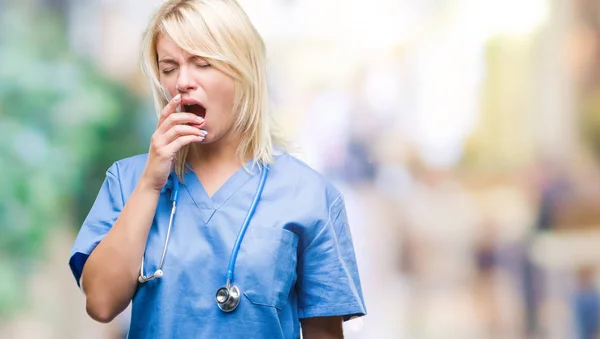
(205, 90)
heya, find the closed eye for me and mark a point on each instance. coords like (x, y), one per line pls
(199, 61)
(167, 71)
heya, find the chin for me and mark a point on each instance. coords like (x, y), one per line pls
(207, 140)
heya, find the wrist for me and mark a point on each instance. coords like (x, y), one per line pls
(146, 185)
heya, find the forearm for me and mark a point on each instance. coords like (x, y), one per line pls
(110, 274)
(322, 328)
(321, 335)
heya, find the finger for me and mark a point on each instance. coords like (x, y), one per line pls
(169, 108)
(181, 141)
(179, 131)
(200, 125)
(179, 119)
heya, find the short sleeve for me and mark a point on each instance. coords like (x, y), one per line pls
(100, 219)
(328, 279)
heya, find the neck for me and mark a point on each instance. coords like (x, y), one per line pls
(216, 154)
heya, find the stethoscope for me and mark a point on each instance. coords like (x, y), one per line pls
(228, 296)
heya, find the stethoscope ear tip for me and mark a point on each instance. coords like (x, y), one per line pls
(158, 274)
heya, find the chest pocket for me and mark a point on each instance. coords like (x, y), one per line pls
(267, 266)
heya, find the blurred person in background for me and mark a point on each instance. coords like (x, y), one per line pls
(217, 155)
(552, 188)
(586, 305)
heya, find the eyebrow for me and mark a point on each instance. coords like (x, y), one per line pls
(196, 58)
(170, 61)
(167, 61)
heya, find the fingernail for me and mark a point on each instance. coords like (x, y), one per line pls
(199, 119)
(204, 133)
(200, 137)
(177, 97)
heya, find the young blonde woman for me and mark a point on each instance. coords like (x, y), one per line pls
(216, 232)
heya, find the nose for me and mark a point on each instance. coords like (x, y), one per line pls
(184, 81)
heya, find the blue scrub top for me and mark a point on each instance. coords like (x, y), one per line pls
(296, 260)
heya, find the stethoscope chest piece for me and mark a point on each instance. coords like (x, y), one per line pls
(228, 298)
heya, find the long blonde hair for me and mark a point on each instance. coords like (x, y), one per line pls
(221, 32)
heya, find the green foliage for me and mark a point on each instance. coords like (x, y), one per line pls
(62, 123)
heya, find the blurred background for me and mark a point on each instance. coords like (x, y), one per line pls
(464, 134)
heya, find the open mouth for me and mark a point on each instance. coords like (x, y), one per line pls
(199, 110)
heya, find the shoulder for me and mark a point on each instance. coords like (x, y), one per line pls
(128, 170)
(129, 166)
(295, 179)
(132, 163)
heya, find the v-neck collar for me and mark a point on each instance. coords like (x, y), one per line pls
(209, 205)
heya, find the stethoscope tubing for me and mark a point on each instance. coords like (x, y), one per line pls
(232, 293)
